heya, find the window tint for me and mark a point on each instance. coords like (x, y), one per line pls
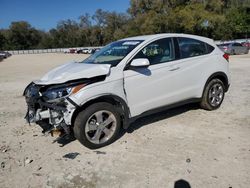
(191, 47)
(225, 44)
(159, 51)
(237, 44)
(209, 48)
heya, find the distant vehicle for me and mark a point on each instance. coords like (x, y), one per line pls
(4, 54)
(72, 51)
(97, 49)
(66, 51)
(233, 48)
(85, 50)
(246, 44)
(126, 79)
(82, 51)
(79, 51)
(91, 51)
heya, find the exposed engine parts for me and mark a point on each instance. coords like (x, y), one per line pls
(51, 116)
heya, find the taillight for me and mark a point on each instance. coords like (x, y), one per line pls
(226, 56)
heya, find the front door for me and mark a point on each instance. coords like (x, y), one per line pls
(150, 87)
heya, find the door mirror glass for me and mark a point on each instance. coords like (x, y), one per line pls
(140, 62)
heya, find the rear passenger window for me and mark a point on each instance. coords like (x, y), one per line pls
(191, 47)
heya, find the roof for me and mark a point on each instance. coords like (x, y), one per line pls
(155, 36)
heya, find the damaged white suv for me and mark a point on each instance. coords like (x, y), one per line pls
(97, 97)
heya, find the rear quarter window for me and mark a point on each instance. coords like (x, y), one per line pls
(191, 47)
(209, 48)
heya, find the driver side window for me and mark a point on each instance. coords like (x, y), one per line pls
(159, 51)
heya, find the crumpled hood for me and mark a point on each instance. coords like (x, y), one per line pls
(73, 71)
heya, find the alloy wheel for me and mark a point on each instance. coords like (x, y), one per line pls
(100, 126)
(216, 94)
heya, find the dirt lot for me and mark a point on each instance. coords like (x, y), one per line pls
(206, 149)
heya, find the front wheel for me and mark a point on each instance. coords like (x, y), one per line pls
(213, 95)
(98, 125)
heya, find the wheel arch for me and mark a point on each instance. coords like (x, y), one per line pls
(219, 75)
(109, 98)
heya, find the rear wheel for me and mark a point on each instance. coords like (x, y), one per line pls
(98, 125)
(213, 95)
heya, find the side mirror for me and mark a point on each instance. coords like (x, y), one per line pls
(140, 62)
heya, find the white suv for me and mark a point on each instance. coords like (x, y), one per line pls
(126, 79)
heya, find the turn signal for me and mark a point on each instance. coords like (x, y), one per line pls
(77, 88)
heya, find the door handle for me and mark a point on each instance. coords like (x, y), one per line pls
(174, 68)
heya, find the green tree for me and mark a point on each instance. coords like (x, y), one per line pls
(22, 36)
(217, 19)
(238, 21)
(85, 21)
(2, 41)
(109, 25)
(66, 34)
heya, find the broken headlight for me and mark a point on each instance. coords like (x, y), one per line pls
(57, 93)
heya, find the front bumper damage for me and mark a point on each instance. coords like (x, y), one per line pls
(53, 117)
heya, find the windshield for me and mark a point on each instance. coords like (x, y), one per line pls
(113, 53)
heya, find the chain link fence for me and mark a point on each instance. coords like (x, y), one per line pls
(53, 50)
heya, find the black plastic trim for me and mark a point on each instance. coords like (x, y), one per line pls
(163, 108)
(219, 74)
(72, 102)
(124, 111)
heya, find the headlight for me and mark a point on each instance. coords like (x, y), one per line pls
(62, 92)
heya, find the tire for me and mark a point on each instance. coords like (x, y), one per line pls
(213, 95)
(98, 125)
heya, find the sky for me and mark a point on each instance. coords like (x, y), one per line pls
(45, 14)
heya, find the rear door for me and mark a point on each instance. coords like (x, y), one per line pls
(195, 62)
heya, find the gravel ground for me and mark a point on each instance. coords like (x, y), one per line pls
(182, 146)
